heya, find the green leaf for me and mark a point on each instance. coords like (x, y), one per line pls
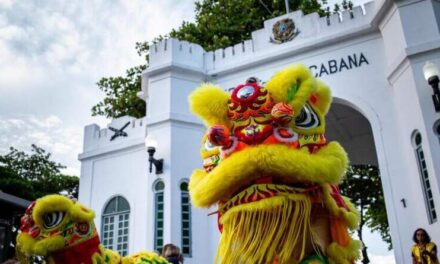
(292, 92)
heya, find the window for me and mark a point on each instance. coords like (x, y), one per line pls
(115, 221)
(159, 215)
(424, 175)
(186, 219)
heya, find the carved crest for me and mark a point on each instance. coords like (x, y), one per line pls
(284, 30)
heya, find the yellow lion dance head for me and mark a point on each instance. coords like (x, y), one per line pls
(272, 173)
(63, 232)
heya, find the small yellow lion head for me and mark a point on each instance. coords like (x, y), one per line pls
(52, 223)
(63, 231)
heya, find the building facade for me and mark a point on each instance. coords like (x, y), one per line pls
(382, 113)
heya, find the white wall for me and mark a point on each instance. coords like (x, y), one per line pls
(117, 167)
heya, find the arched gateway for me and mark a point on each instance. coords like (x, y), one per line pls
(382, 113)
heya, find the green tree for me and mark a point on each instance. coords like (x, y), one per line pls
(31, 176)
(223, 23)
(363, 186)
(218, 24)
(120, 95)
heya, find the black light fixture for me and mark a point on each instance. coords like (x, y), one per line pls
(151, 149)
(431, 73)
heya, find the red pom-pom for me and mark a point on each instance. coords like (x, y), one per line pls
(282, 113)
(313, 99)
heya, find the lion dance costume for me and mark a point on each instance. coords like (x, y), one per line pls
(63, 231)
(271, 172)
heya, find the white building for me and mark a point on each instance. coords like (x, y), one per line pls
(372, 58)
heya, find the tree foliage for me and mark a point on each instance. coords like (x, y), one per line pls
(218, 24)
(120, 95)
(31, 176)
(363, 186)
(222, 23)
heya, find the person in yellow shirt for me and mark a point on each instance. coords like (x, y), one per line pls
(423, 251)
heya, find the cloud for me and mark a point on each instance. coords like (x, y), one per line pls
(71, 34)
(53, 53)
(49, 133)
(60, 49)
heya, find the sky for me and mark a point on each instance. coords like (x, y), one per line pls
(53, 52)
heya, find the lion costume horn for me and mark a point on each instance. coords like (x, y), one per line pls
(272, 173)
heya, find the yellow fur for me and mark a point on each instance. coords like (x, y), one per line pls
(210, 103)
(278, 220)
(140, 258)
(344, 255)
(350, 217)
(324, 98)
(50, 244)
(80, 213)
(196, 177)
(50, 203)
(289, 165)
(25, 243)
(283, 80)
(98, 259)
(104, 253)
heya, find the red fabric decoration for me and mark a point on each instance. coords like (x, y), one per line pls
(313, 99)
(78, 254)
(337, 197)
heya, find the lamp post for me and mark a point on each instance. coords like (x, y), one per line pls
(431, 73)
(151, 145)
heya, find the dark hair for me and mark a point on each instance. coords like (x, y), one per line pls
(427, 238)
(172, 253)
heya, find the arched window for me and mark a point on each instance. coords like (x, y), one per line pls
(115, 221)
(424, 175)
(159, 215)
(186, 219)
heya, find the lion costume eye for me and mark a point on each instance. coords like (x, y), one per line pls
(307, 118)
(245, 92)
(53, 219)
(209, 145)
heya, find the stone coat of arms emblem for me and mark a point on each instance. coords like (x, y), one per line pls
(284, 30)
